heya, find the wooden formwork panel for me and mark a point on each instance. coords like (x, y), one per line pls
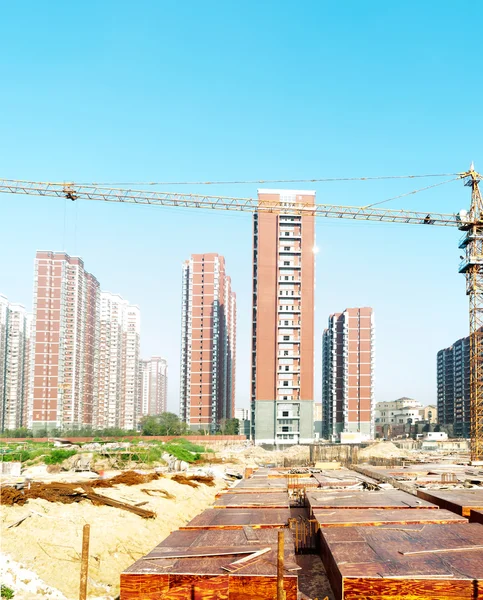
(217, 518)
(260, 484)
(460, 501)
(382, 499)
(432, 562)
(253, 500)
(348, 517)
(190, 564)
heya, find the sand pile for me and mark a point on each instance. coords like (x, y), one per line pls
(383, 450)
(49, 541)
(258, 455)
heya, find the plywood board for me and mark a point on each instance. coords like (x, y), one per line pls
(460, 501)
(348, 517)
(425, 562)
(205, 577)
(217, 518)
(392, 499)
(253, 500)
(260, 484)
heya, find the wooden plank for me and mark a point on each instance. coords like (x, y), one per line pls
(250, 534)
(381, 499)
(460, 501)
(434, 562)
(348, 517)
(218, 518)
(200, 552)
(356, 588)
(234, 566)
(253, 500)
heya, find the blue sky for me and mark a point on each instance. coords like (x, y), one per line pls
(215, 90)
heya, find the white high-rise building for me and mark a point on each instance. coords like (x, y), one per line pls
(154, 386)
(119, 327)
(14, 373)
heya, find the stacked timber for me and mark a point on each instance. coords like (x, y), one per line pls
(434, 562)
(212, 564)
(389, 544)
(229, 551)
(460, 501)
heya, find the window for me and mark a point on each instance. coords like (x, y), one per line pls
(286, 323)
(287, 248)
(286, 263)
(285, 383)
(286, 338)
(285, 352)
(287, 368)
(285, 428)
(285, 414)
(286, 278)
(287, 233)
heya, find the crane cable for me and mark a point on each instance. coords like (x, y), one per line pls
(263, 181)
(428, 187)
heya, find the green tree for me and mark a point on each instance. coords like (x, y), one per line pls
(232, 427)
(164, 424)
(150, 426)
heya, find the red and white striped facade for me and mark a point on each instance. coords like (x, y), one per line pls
(348, 373)
(208, 343)
(66, 305)
(84, 360)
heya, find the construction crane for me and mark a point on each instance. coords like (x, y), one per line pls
(471, 222)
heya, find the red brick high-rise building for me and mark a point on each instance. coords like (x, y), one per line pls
(282, 382)
(64, 345)
(208, 343)
(348, 374)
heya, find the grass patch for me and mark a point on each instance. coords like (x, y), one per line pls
(6, 592)
(58, 456)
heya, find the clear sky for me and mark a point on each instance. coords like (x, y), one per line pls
(119, 91)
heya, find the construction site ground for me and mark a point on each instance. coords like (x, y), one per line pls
(41, 539)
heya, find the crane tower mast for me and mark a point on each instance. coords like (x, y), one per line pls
(472, 267)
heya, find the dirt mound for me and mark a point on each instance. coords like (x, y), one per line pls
(383, 450)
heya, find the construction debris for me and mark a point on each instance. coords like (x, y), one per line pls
(162, 493)
(66, 493)
(193, 480)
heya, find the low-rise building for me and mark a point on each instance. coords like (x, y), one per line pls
(398, 416)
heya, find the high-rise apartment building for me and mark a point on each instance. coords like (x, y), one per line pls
(118, 374)
(453, 383)
(3, 344)
(14, 344)
(66, 301)
(347, 374)
(282, 382)
(208, 343)
(154, 386)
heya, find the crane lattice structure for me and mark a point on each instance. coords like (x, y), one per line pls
(471, 222)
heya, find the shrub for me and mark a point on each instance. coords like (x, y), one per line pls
(58, 456)
(6, 592)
